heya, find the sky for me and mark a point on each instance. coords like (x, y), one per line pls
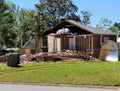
(99, 8)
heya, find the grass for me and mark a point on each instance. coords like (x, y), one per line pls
(77, 73)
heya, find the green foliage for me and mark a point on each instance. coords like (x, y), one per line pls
(104, 24)
(25, 26)
(54, 10)
(85, 17)
(116, 27)
(7, 21)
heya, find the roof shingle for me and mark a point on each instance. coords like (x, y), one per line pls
(91, 29)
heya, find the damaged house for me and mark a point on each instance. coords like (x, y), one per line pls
(71, 35)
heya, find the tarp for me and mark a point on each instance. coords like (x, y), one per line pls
(112, 52)
(109, 51)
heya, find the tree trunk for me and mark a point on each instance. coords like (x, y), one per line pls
(37, 44)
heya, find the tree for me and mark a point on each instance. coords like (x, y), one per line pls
(115, 27)
(6, 24)
(52, 11)
(28, 22)
(85, 17)
(23, 26)
(104, 24)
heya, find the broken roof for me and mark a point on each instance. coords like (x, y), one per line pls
(88, 28)
(73, 23)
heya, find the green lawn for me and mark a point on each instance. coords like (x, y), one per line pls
(77, 73)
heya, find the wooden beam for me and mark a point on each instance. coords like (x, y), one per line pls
(69, 25)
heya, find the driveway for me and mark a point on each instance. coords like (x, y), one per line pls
(14, 87)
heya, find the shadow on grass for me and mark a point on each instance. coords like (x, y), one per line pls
(16, 66)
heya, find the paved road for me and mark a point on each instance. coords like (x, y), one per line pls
(13, 87)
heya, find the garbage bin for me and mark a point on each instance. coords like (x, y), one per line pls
(44, 49)
(13, 59)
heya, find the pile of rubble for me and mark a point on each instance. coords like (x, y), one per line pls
(77, 54)
(40, 57)
(51, 56)
(3, 58)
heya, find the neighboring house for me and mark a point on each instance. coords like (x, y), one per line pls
(79, 37)
(29, 47)
(30, 44)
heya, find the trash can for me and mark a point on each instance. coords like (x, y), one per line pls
(13, 59)
(44, 49)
